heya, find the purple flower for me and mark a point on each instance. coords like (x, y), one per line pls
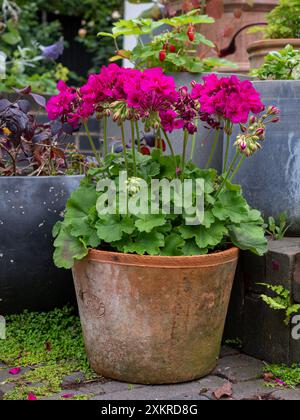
(54, 51)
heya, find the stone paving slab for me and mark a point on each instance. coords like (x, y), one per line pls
(238, 373)
(239, 368)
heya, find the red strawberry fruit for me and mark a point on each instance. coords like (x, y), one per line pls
(162, 55)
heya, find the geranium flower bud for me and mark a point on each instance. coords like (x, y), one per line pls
(129, 114)
(253, 147)
(243, 146)
(273, 110)
(243, 129)
(117, 116)
(252, 119)
(275, 120)
(260, 132)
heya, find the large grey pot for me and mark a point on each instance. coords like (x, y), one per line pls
(271, 178)
(205, 137)
(29, 208)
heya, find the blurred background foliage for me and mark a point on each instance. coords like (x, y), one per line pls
(28, 26)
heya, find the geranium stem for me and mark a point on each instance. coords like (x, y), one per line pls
(213, 150)
(170, 147)
(137, 129)
(169, 143)
(238, 167)
(226, 153)
(227, 175)
(124, 145)
(185, 143)
(105, 136)
(194, 139)
(92, 142)
(133, 146)
(228, 131)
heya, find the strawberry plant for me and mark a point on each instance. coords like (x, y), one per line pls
(175, 49)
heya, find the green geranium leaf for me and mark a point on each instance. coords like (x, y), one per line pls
(167, 164)
(173, 245)
(249, 237)
(78, 213)
(68, 249)
(146, 243)
(205, 238)
(231, 205)
(146, 223)
(255, 217)
(191, 248)
(111, 228)
(151, 170)
(57, 228)
(80, 204)
(208, 219)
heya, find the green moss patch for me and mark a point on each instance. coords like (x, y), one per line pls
(51, 345)
(284, 376)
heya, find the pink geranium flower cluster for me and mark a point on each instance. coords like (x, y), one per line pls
(145, 92)
(62, 104)
(152, 96)
(227, 98)
(150, 91)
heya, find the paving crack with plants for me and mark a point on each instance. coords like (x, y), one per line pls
(43, 358)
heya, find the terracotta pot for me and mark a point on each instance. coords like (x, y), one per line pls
(230, 22)
(154, 320)
(259, 49)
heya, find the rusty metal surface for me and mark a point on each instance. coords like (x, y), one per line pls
(161, 323)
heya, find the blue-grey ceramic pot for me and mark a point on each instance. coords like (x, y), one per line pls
(29, 208)
(271, 178)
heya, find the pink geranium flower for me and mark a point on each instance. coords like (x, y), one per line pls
(150, 91)
(31, 397)
(280, 382)
(67, 396)
(107, 86)
(61, 104)
(15, 371)
(169, 120)
(228, 98)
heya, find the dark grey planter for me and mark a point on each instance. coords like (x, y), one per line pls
(271, 178)
(29, 208)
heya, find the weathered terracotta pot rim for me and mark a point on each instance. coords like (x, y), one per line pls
(218, 258)
(272, 43)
